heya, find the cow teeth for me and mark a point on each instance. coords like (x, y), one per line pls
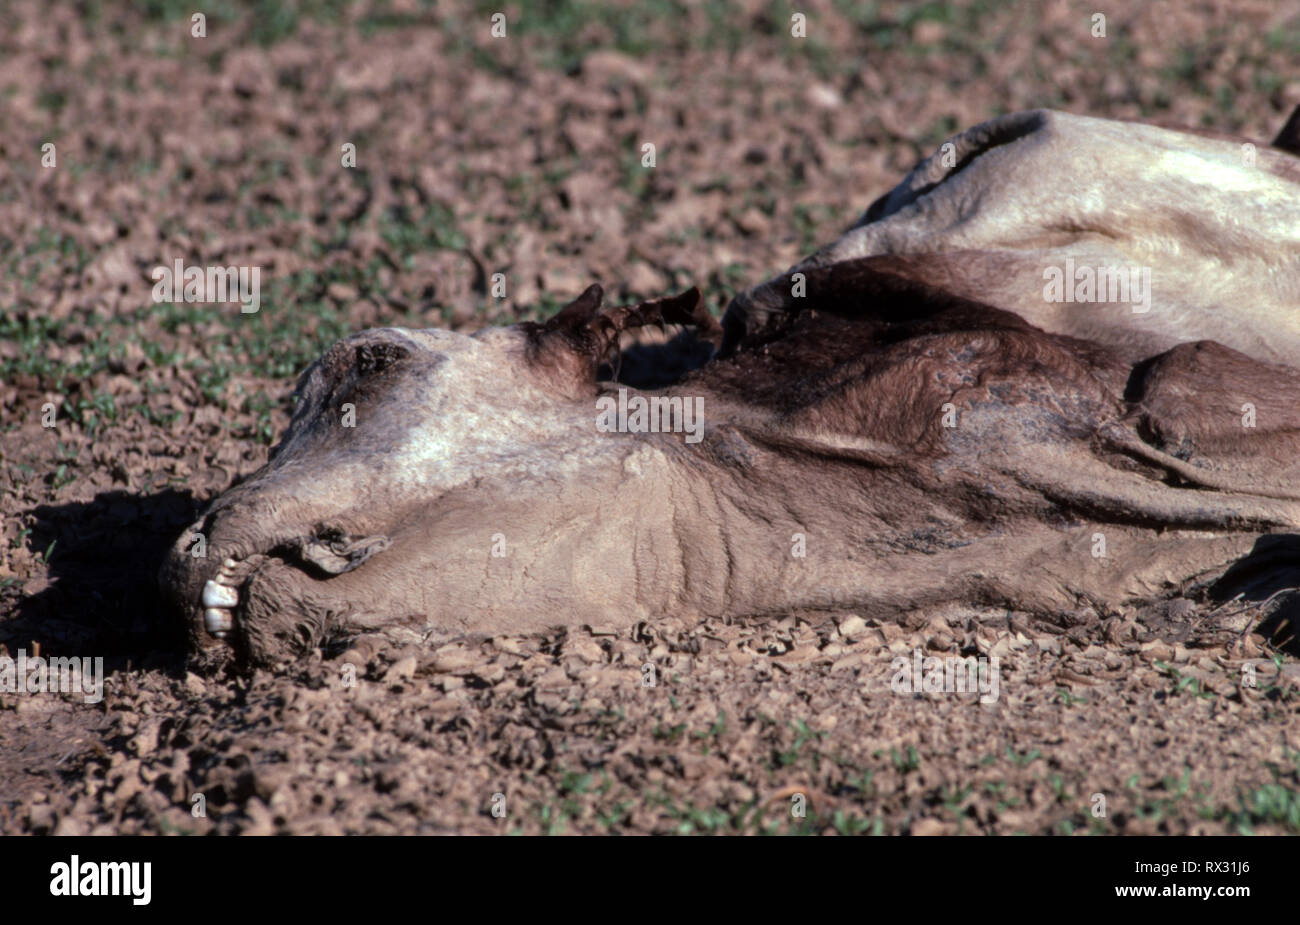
(219, 595)
(218, 621)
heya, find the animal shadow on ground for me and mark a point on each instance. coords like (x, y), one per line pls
(101, 597)
(1268, 577)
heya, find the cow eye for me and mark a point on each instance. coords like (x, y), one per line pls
(375, 358)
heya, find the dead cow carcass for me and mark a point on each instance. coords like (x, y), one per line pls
(938, 407)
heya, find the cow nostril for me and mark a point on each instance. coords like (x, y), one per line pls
(376, 357)
(335, 552)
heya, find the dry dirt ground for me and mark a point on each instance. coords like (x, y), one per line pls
(522, 155)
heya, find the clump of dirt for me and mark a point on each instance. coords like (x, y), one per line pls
(526, 156)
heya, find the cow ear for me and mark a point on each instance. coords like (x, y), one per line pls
(581, 335)
(580, 311)
(1289, 138)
